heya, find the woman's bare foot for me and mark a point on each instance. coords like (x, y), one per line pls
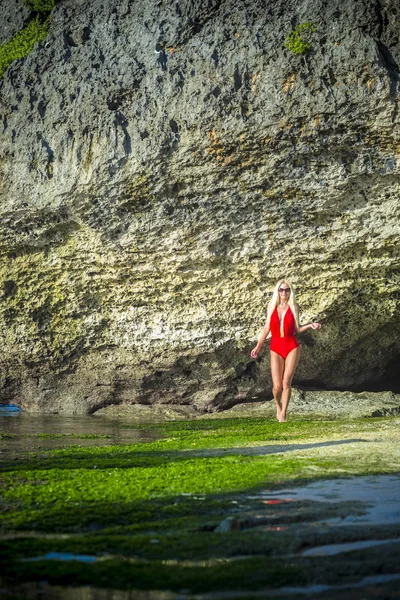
(281, 418)
(278, 412)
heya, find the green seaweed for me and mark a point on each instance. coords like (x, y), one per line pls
(56, 436)
(22, 43)
(8, 436)
(124, 574)
(75, 436)
(41, 6)
(149, 511)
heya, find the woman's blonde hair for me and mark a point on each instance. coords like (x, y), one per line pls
(291, 302)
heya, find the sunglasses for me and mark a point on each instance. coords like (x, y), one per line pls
(281, 290)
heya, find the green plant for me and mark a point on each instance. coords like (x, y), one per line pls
(40, 5)
(22, 43)
(297, 41)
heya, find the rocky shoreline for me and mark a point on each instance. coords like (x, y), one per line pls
(305, 404)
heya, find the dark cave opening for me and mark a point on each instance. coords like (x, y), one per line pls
(388, 382)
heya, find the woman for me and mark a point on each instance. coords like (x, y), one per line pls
(283, 322)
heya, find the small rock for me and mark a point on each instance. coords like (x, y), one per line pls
(228, 524)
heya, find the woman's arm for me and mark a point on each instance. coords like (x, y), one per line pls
(309, 326)
(302, 328)
(261, 339)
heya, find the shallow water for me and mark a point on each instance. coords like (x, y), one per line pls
(43, 591)
(24, 430)
(332, 549)
(381, 493)
(85, 558)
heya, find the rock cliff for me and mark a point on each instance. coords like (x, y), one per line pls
(163, 164)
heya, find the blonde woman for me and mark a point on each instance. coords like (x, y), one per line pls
(283, 323)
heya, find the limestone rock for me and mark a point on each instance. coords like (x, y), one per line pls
(145, 413)
(14, 16)
(346, 404)
(163, 165)
(326, 403)
(228, 524)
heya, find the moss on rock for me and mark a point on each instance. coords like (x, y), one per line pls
(22, 43)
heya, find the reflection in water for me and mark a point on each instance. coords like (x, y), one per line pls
(85, 558)
(332, 549)
(43, 591)
(24, 431)
(277, 501)
(380, 492)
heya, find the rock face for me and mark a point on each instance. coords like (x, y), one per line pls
(163, 164)
(14, 15)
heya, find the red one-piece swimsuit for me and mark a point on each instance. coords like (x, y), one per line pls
(287, 343)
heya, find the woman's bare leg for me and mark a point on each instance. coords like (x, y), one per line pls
(277, 367)
(291, 363)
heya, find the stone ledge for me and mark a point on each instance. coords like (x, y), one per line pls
(330, 404)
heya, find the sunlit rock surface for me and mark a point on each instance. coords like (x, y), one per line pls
(14, 16)
(162, 165)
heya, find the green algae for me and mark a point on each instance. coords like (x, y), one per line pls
(40, 5)
(192, 537)
(171, 466)
(59, 321)
(55, 489)
(56, 436)
(22, 43)
(238, 432)
(148, 510)
(74, 436)
(252, 573)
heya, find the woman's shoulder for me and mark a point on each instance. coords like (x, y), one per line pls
(270, 310)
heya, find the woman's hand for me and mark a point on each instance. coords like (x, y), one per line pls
(315, 325)
(254, 352)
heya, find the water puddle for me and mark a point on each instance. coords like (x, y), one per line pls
(380, 493)
(332, 549)
(85, 558)
(44, 591)
(318, 589)
(306, 591)
(24, 432)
